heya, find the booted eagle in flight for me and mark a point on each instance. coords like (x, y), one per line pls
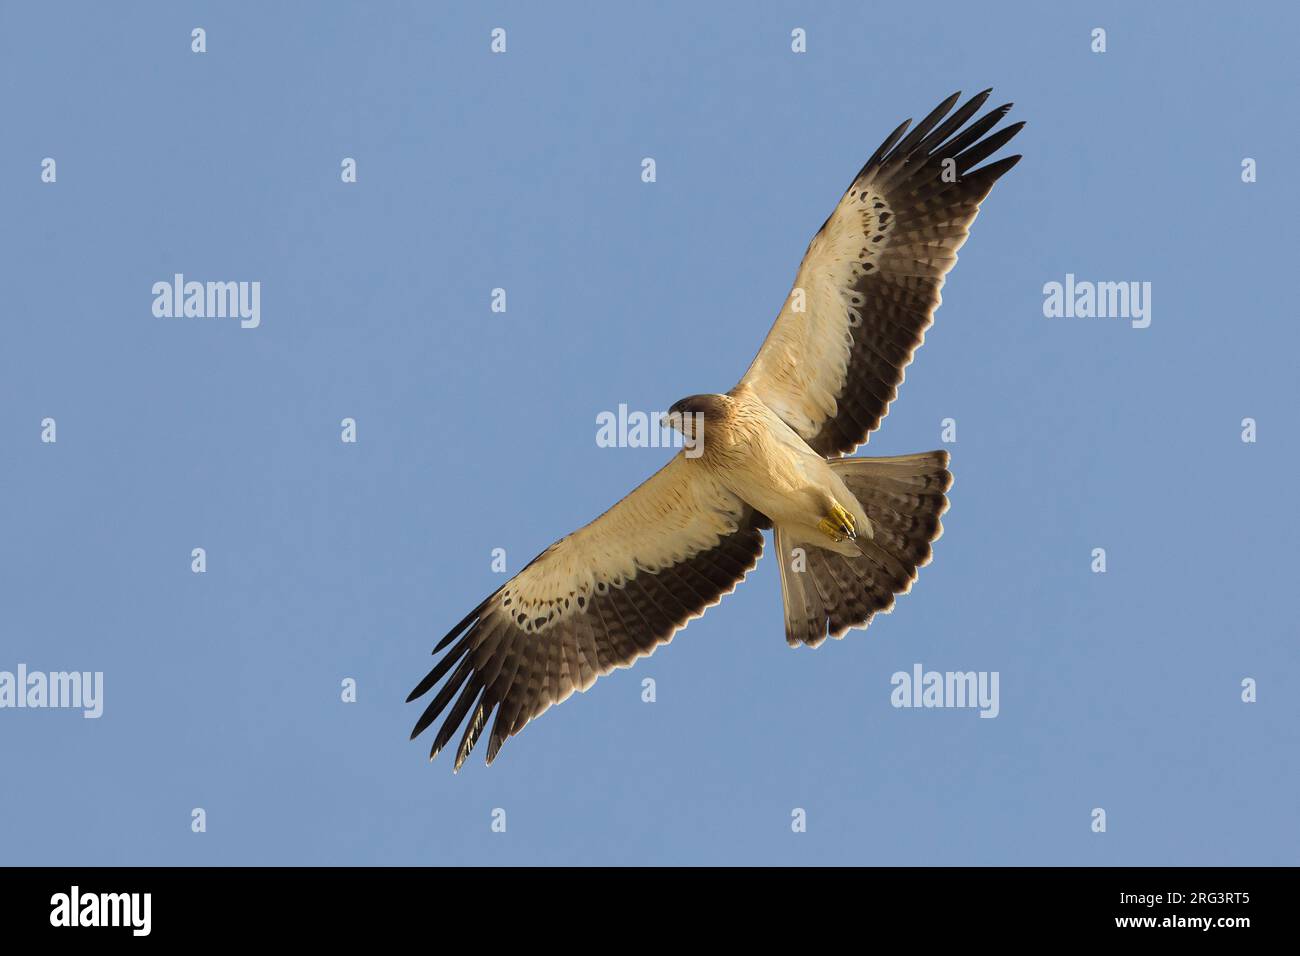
(770, 457)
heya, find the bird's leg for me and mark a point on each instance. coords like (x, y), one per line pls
(838, 524)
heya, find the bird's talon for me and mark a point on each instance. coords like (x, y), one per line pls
(838, 525)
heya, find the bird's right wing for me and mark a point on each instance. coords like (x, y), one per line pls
(598, 599)
(869, 283)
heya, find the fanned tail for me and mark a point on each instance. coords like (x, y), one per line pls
(826, 593)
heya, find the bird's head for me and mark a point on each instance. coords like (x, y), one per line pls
(693, 415)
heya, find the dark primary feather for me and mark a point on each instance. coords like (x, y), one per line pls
(931, 219)
(496, 667)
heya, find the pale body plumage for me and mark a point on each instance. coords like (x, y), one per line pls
(850, 533)
(764, 462)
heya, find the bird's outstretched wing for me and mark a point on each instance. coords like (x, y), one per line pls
(869, 283)
(598, 599)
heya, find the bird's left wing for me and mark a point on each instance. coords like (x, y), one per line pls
(600, 598)
(869, 283)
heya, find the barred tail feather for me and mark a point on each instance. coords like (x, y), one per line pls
(826, 593)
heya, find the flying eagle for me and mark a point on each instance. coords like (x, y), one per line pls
(850, 532)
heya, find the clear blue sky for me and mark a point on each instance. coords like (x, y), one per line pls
(477, 430)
